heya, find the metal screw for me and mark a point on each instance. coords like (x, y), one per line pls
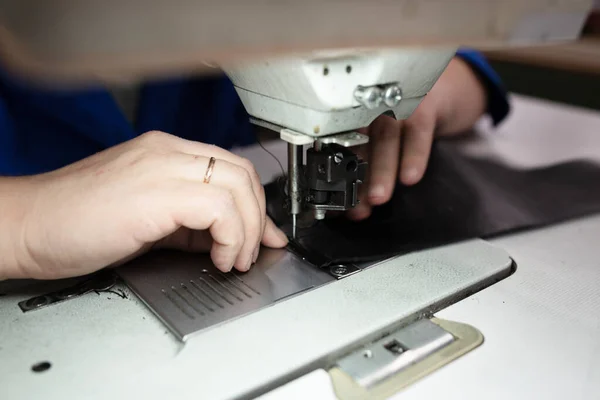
(392, 95)
(37, 302)
(370, 97)
(338, 157)
(339, 270)
(320, 214)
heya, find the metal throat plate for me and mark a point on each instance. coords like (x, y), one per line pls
(189, 294)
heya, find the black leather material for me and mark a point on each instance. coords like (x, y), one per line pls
(459, 198)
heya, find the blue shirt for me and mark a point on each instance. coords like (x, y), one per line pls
(42, 130)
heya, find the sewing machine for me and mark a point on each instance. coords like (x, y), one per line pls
(314, 77)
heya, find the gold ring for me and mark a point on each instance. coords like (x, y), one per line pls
(209, 170)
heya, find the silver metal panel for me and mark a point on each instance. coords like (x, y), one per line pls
(390, 355)
(189, 294)
(102, 346)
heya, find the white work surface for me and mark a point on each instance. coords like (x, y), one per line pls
(542, 324)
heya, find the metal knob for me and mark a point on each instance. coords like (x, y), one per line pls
(319, 214)
(392, 95)
(370, 97)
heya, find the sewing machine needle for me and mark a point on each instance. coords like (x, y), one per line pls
(293, 226)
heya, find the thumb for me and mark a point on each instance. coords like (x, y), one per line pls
(273, 236)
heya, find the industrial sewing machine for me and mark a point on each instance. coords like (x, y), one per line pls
(314, 71)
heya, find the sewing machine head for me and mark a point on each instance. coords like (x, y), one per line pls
(321, 100)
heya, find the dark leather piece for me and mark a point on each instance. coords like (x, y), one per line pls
(459, 198)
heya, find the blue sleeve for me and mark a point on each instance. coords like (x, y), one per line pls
(498, 106)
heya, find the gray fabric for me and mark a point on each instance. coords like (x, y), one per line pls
(459, 198)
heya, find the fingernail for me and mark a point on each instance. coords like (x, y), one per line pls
(281, 235)
(377, 191)
(410, 175)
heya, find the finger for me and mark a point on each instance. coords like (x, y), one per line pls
(364, 131)
(212, 208)
(362, 152)
(207, 150)
(187, 240)
(384, 159)
(416, 147)
(259, 192)
(273, 236)
(237, 180)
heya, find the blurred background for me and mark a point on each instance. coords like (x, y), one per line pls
(567, 73)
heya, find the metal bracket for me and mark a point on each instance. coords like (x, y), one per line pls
(102, 280)
(388, 356)
(321, 262)
(285, 134)
(348, 139)
(383, 368)
(296, 138)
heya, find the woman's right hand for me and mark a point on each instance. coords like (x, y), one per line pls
(145, 193)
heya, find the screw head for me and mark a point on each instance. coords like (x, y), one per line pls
(37, 302)
(338, 157)
(339, 270)
(370, 96)
(319, 214)
(392, 95)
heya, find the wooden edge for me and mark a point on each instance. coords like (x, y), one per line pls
(566, 57)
